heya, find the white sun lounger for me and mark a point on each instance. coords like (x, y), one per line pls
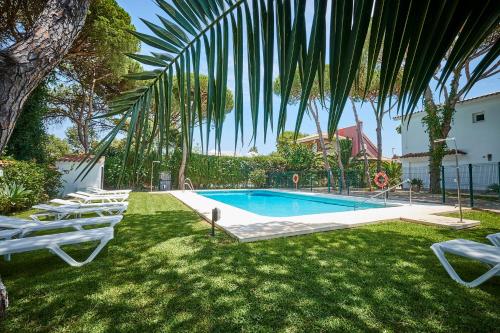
(487, 254)
(54, 242)
(23, 227)
(92, 194)
(494, 239)
(61, 212)
(96, 190)
(75, 203)
(98, 198)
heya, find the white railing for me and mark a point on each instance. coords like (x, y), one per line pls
(189, 184)
(383, 192)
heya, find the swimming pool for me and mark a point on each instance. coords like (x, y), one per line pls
(284, 204)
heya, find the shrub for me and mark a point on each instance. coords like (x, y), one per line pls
(416, 184)
(39, 182)
(394, 171)
(258, 178)
(14, 197)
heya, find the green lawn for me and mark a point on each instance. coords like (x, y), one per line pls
(163, 273)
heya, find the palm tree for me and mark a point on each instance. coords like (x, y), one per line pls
(419, 33)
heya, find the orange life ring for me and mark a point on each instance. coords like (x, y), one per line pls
(295, 178)
(381, 183)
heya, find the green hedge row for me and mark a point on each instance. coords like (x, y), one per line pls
(223, 171)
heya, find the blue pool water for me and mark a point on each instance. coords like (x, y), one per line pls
(280, 204)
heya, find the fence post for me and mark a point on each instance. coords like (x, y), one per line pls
(499, 180)
(471, 188)
(340, 183)
(329, 181)
(443, 189)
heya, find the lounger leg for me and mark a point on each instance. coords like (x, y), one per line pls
(68, 259)
(453, 274)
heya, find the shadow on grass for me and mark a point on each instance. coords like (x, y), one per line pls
(162, 272)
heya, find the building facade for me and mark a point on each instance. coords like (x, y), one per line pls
(476, 129)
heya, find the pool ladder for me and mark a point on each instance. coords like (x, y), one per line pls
(188, 184)
(384, 191)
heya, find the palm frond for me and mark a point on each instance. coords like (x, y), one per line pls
(416, 34)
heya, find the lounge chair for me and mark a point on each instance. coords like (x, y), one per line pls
(16, 227)
(61, 212)
(494, 239)
(98, 198)
(24, 227)
(73, 202)
(487, 254)
(89, 194)
(54, 242)
(96, 190)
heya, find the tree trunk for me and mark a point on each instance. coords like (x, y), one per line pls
(313, 109)
(182, 168)
(26, 63)
(88, 118)
(339, 161)
(379, 118)
(4, 300)
(362, 144)
(438, 125)
(379, 144)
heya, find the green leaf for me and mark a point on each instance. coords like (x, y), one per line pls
(176, 16)
(164, 34)
(148, 75)
(253, 34)
(147, 60)
(268, 56)
(154, 41)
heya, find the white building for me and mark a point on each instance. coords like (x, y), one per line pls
(476, 128)
(68, 166)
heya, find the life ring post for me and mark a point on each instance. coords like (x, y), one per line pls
(381, 179)
(295, 179)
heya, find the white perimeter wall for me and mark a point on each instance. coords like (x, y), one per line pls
(70, 173)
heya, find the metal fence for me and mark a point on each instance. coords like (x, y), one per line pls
(480, 177)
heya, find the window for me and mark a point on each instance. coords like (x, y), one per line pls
(477, 117)
(489, 157)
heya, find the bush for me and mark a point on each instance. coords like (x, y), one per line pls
(258, 178)
(38, 182)
(416, 184)
(13, 197)
(394, 171)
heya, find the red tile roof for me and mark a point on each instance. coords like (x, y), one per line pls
(74, 158)
(350, 133)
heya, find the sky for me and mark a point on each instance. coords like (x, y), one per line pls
(148, 10)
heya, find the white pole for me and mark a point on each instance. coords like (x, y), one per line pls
(458, 180)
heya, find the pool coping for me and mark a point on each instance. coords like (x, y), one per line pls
(248, 227)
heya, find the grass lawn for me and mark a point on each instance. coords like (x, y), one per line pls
(163, 273)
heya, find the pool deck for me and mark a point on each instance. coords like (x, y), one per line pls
(249, 227)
